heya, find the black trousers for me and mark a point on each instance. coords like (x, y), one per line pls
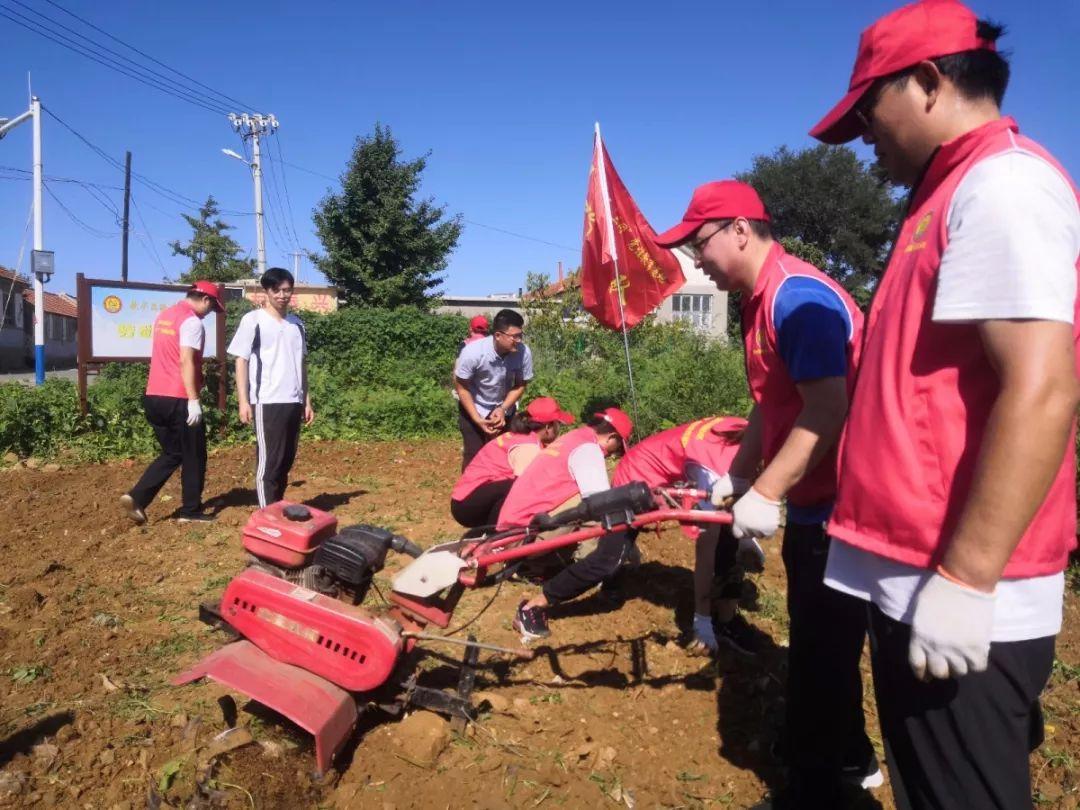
(825, 729)
(181, 446)
(592, 570)
(481, 506)
(959, 743)
(472, 437)
(277, 434)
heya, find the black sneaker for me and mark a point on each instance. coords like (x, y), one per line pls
(132, 510)
(868, 776)
(531, 622)
(739, 635)
(198, 517)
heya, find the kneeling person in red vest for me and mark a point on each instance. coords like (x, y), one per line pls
(479, 494)
(700, 452)
(570, 469)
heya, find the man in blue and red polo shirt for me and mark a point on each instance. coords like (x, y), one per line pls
(956, 508)
(801, 334)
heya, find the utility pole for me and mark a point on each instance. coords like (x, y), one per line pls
(296, 265)
(127, 203)
(253, 127)
(41, 261)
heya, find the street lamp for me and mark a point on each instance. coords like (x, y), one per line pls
(255, 165)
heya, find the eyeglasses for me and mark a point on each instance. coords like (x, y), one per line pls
(695, 247)
(864, 109)
(517, 337)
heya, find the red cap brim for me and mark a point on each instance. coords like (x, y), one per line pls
(677, 235)
(841, 124)
(564, 417)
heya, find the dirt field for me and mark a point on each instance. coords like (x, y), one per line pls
(97, 615)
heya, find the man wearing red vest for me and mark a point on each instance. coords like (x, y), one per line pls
(956, 508)
(172, 405)
(699, 452)
(801, 334)
(569, 469)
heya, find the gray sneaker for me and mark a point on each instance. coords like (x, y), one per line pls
(131, 509)
(198, 517)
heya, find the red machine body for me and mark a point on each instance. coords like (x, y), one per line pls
(272, 535)
(349, 646)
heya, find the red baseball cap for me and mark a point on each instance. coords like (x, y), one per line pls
(723, 199)
(923, 30)
(210, 289)
(478, 324)
(618, 420)
(546, 409)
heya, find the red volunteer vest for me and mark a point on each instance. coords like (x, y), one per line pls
(772, 388)
(492, 463)
(165, 379)
(546, 482)
(661, 459)
(924, 396)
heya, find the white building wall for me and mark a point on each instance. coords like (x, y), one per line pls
(697, 284)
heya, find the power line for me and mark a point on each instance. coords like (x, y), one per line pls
(520, 235)
(148, 56)
(88, 228)
(55, 179)
(181, 88)
(275, 191)
(152, 250)
(285, 183)
(72, 45)
(173, 196)
(311, 171)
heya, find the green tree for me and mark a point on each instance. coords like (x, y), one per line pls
(836, 206)
(214, 255)
(382, 246)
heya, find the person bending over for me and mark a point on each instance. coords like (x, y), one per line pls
(479, 493)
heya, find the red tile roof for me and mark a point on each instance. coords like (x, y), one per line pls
(11, 274)
(56, 304)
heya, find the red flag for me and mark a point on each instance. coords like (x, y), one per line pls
(618, 238)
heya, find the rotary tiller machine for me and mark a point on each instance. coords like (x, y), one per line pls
(304, 646)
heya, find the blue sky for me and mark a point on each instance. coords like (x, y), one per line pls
(503, 95)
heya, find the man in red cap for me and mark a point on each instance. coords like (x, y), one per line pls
(172, 405)
(956, 509)
(801, 335)
(478, 330)
(570, 469)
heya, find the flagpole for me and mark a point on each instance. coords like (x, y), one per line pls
(599, 148)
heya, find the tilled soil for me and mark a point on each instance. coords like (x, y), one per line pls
(97, 615)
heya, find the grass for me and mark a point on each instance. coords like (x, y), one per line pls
(173, 646)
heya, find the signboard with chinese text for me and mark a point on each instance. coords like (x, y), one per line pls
(116, 325)
(122, 321)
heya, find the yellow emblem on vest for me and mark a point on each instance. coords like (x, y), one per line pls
(918, 236)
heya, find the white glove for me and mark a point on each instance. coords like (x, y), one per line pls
(726, 486)
(950, 631)
(750, 555)
(755, 516)
(194, 412)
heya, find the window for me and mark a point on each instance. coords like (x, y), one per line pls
(69, 330)
(694, 309)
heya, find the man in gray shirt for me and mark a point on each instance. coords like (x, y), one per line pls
(490, 377)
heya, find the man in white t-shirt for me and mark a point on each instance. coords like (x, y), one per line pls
(270, 347)
(956, 508)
